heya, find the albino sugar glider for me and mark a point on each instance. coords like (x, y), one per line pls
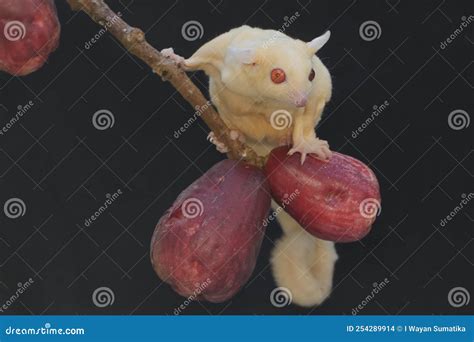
(271, 89)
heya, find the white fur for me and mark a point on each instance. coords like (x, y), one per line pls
(239, 63)
(318, 42)
(302, 263)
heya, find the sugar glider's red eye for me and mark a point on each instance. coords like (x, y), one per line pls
(278, 75)
(311, 75)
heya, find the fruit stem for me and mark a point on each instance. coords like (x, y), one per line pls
(133, 39)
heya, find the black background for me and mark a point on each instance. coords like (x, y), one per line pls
(62, 167)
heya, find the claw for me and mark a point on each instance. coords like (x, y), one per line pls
(211, 136)
(303, 154)
(318, 148)
(303, 158)
(220, 146)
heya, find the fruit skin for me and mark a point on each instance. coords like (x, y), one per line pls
(29, 32)
(210, 252)
(338, 200)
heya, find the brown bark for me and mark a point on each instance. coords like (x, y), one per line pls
(133, 39)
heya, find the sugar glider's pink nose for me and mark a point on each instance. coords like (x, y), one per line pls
(300, 101)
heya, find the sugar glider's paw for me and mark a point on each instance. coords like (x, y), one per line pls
(169, 53)
(220, 146)
(318, 147)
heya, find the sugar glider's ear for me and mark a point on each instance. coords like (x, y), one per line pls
(241, 55)
(317, 43)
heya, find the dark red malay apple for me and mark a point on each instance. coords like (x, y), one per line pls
(336, 200)
(207, 243)
(29, 32)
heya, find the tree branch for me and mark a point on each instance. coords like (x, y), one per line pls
(133, 39)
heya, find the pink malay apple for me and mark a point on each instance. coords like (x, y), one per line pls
(337, 200)
(207, 243)
(29, 32)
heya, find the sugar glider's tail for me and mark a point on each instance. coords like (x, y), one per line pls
(303, 263)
